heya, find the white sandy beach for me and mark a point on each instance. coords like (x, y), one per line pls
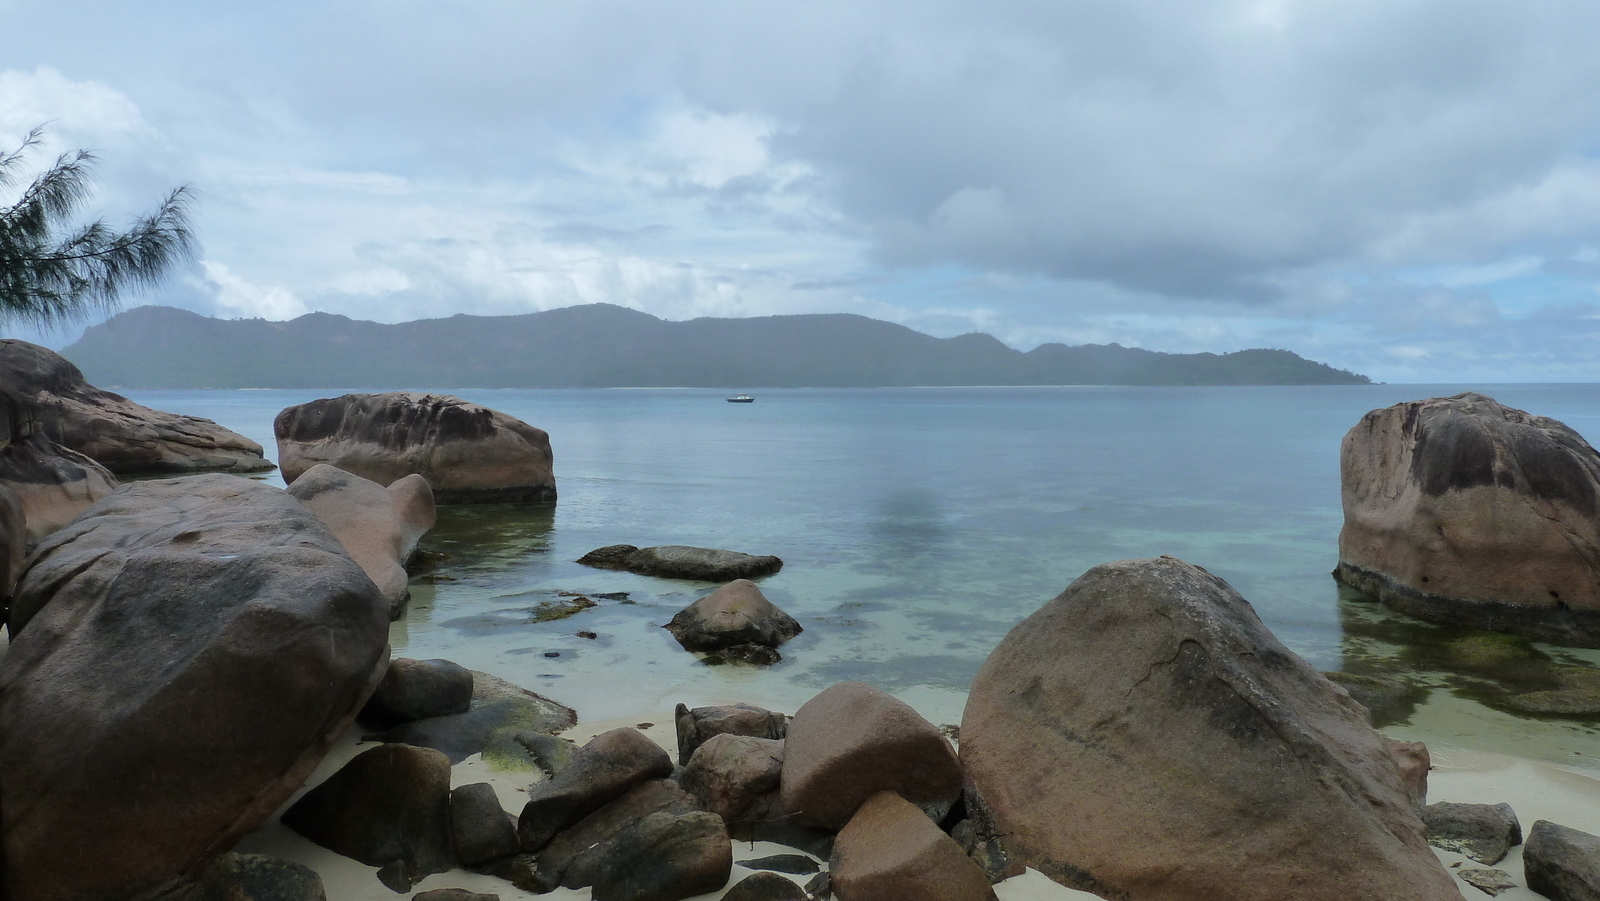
(1536, 790)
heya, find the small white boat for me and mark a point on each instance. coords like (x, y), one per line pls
(741, 399)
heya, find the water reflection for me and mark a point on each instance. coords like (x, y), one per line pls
(486, 538)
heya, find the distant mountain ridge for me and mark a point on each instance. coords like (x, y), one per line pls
(607, 346)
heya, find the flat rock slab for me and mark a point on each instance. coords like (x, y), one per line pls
(469, 454)
(1143, 735)
(676, 561)
(119, 434)
(183, 655)
(891, 851)
(1562, 863)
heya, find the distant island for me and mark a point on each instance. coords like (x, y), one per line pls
(607, 346)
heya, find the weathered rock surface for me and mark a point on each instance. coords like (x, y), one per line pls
(891, 851)
(1413, 762)
(1483, 832)
(852, 741)
(119, 434)
(379, 526)
(696, 726)
(1562, 863)
(665, 857)
(737, 613)
(52, 483)
(419, 689)
(251, 877)
(736, 777)
(481, 828)
(1460, 510)
(765, 887)
(1143, 735)
(676, 561)
(389, 804)
(13, 543)
(604, 769)
(183, 655)
(469, 454)
(575, 857)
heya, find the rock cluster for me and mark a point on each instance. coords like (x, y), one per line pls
(119, 434)
(467, 453)
(1461, 510)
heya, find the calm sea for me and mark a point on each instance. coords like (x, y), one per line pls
(917, 526)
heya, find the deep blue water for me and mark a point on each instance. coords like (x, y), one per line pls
(917, 526)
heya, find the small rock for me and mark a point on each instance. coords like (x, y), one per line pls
(820, 887)
(587, 634)
(550, 611)
(605, 768)
(419, 689)
(481, 829)
(1483, 832)
(552, 653)
(891, 851)
(765, 887)
(665, 857)
(1490, 882)
(251, 877)
(697, 726)
(1562, 863)
(389, 804)
(797, 864)
(852, 741)
(397, 877)
(735, 614)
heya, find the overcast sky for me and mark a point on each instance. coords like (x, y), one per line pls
(1408, 188)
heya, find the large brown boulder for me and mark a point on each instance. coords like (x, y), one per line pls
(1460, 510)
(183, 655)
(1143, 735)
(52, 483)
(469, 454)
(379, 526)
(891, 851)
(852, 741)
(121, 435)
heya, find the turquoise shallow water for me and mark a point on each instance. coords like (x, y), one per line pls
(917, 526)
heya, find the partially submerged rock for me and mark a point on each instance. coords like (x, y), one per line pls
(1562, 863)
(389, 804)
(1483, 832)
(891, 851)
(1143, 735)
(183, 655)
(676, 561)
(52, 483)
(735, 614)
(379, 526)
(852, 741)
(122, 436)
(1460, 510)
(469, 454)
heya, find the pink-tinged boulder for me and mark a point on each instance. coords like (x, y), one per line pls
(469, 454)
(1460, 510)
(379, 526)
(52, 483)
(736, 777)
(852, 741)
(115, 432)
(183, 655)
(737, 613)
(1144, 736)
(891, 851)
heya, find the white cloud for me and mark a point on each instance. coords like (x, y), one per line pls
(249, 301)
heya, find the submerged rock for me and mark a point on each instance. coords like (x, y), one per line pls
(469, 454)
(676, 561)
(183, 655)
(1143, 735)
(115, 432)
(1460, 510)
(735, 614)
(379, 526)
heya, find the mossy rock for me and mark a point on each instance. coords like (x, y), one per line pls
(549, 611)
(1560, 702)
(1388, 701)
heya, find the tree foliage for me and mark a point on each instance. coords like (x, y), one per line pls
(52, 271)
